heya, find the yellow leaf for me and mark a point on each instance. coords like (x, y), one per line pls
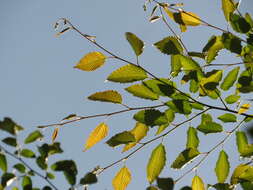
(55, 133)
(107, 96)
(243, 108)
(169, 13)
(91, 61)
(122, 179)
(139, 131)
(190, 19)
(96, 135)
(197, 183)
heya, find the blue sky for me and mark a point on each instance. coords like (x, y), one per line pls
(40, 86)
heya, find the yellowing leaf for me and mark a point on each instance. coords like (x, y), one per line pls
(139, 131)
(107, 96)
(156, 163)
(91, 61)
(243, 108)
(197, 183)
(122, 179)
(142, 91)
(135, 42)
(228, 7)
(55, 134)
(169, 13)
(190, 19)
(96, 135)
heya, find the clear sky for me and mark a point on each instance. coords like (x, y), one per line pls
(40, 86)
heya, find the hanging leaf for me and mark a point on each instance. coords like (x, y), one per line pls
(247, 175)
(154, 19)
(91, 61)
(47, 150)
(107, 96)
(165, 183)
(232, 99)
(20, 167)
(190, 19)
(197, 183)
(152, 188)
(27, 153)
(142, 91)
(232, 43)
(27, 183)
(175, 65)
(35, 135)
(192, 138)
(230, 79)
(156, 163)
(70, 117)
(151, 117)
(122, 179)
(139, 132)
(189, 64)
(184, 157)
(239, 23)
(169, 45)
(89, 178)
(208, 126)
(243, 108)
(121, 138)
(7, 179)
(197, 106)
(180, 106)
(222, 167)
(221, 186)
(10, 126)
(127, 73)
(244, 148)
(99, 133)
(239, 170)
(55, 134)
(227, 117)
(10, 141)
(135, 42)
(3, 163)
(228, 7)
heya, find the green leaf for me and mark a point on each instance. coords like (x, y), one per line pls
(142, 91)
(27, 183)
(175, 64)
(244, 148)
(208, 126)
(239, 24)
(228, 7)
(68, 167)
(35, 135)
(164, 88)
(212, 48)
(121, 138)
(151, 117)
(232, 43)
(188, 64)
(222, 186)
(127, 73)
(246, 185)
(239, 170)
(156, 163)
(247, 175)
(27, 153)
(192, 138)
(20, 167)
(50, 175)
(48, 150)
(197, 106)
(165, 183)
(89, 178)
(227, 117)
(169, 45)
(184, 157)
(41, 162)
(7, 179)
(107, 96)
(222, 167)
(230, 79)
(135, 42)
(10, 141)
(197, 183)
(152, 188)
(3, 163)
(161, 128)
(180, 106)
(232, 99)
(10, 126)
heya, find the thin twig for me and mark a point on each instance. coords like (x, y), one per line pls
(226, 65)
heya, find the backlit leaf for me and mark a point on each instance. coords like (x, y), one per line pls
(96, 135)
(232, 43)
(142, 91)
(244, 148)
(3, 163)
(232, 99)
(127, 73)
(55, 134)
(107, 96)
(156, 163)
(230, 79)
(151, 117)
(197, 183)
(247, 175)
(91, 61)
(192, 138)
(161, 128)
(10, 126)
(35, 135)
(20, 167)
(184, 157)
(239, 170)
(121, 138)
(190, 19)
(122, 179)
(243, 108)
(180, 106)
(227, 117)
(208, 126)
(222, 167)
(26, 183)
(228, 7)
(139, 131)
(27, 153)
(169, 46)
(135, 42)
(239, 23)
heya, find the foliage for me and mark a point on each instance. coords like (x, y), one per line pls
(227, 89)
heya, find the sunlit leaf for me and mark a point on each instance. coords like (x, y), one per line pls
(50, 175)
(41, 161)
(243, 108)
(188, 64)
(156, 163)
(180, 106)
(99, 133)
(127, 73)
(165, 183)
(142, 91)
(55, 134)
(107, 96)
(197, 183)
(232, 99)
(228, 7)
(197, 106)
(244, 148)
(121, 138)
(239, 170)
(169, 45)
(139, 131)
(91, 61)
(184, 157)
(239, 23)
(190, 19)
(47, 150)
(151, 117)
(10, 141)
(175, 64)
(208, 126)
(26, 183)
(222, 167)
(247, 175)
(20, 167)
(222, 186)
(232, 43)
(7, 179)
(227, 117)
(3, 163)
(135, 42)
(154, 19)
(192, 138)
(10, 126)
(35, 135)
(230, 79)
(27, 153)
(122, 179)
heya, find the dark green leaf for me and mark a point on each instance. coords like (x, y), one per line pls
(180, 106)
(121, 138)
(7, 178)
(232, 43)
(192, 138)
(188, 64)
(230, 79)
(239, 170)
(35, 135)
(47, 150)
(20, 167)
(3, 163)
(184, 157)
(135, 42)
(208, 126)
(239, 24)
(196, 54)
(232, 99)
(41, 162)
(165, 183)
(227, 117)
(89, 178)
(244, 148)
(197, 106)
(151, 117)
(169, 46)
(27, 183)
(10, 141)
(27, 153)
(10, 126)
